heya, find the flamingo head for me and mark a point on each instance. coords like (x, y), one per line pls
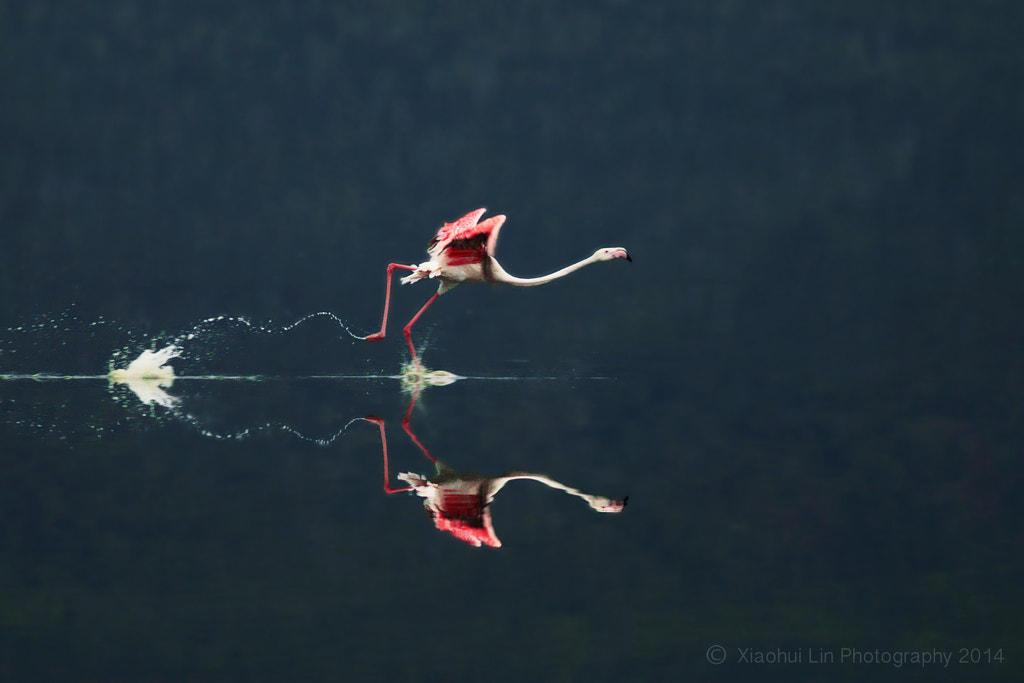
(609, 253)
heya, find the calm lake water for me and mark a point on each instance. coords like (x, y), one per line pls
(241, 530)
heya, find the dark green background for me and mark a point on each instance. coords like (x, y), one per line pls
(816, 355)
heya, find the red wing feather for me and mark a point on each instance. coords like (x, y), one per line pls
(465, 228)
(465, 516)
(464, 257)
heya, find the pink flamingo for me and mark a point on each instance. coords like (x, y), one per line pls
(463, 251)
(460, 503)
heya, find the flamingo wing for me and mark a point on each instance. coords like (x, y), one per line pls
(465, 230)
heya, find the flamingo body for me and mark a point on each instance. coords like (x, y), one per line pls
(463, 251)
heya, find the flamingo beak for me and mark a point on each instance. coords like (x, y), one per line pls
(628, 257)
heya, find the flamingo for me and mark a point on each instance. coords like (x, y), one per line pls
(459, 503)
(463, 251)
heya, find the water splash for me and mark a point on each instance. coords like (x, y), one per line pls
(230, 352)
(414, 377)
(52, 348)
(148, 375)
(267, 427)
(197, 330)
(150, 365)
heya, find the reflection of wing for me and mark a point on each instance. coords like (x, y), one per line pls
(457, 503)
(467, 516)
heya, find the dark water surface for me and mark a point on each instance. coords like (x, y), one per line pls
(251, 553)
(807, 381)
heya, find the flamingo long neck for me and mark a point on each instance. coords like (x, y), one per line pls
(500, 275)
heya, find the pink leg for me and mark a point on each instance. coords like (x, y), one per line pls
(408, 428)
(387, 302)
(408, 327)
(384, 448)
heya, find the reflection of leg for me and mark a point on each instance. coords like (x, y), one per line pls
(387, 302)
(384, 449)
(408, 327)
(408, 428)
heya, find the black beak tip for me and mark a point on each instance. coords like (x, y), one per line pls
(628, 257)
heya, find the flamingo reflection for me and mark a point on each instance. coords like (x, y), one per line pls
(459, 503)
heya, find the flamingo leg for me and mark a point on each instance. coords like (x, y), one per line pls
(387, 303)
(408, 327)
(384, 449)
(408, 428)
